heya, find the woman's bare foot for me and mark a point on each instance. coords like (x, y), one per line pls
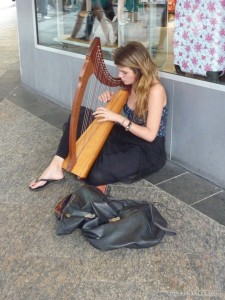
(52, 172)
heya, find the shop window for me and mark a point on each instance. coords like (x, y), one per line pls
(71, 25)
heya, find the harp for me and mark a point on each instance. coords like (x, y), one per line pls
(84, 151)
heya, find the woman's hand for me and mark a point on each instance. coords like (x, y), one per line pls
(103, 114)
(105, 96)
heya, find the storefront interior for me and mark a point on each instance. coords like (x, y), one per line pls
(71, 26)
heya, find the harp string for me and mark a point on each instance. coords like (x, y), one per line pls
(91, 99)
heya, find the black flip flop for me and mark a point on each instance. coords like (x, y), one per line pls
(48, 182)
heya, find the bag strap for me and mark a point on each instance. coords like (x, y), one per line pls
(168, 209)
(168, 231)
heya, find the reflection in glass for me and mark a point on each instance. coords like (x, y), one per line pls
(71, 25)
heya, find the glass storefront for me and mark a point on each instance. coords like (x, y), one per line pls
(71, 25)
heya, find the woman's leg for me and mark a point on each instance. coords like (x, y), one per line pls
(79, 20)
(163, 30)
(111, 168)
(111, 16)
(54, 170)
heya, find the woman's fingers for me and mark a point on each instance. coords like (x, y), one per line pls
(101, 113)
(105, 96)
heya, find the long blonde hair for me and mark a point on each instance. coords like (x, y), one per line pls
(136, 57)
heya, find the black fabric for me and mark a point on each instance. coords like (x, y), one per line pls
(124, 157)
(127, 158)
(109, 224)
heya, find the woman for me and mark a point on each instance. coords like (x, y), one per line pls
(135, 147)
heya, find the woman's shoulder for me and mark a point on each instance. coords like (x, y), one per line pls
(157, 92)
(157, 88)
(157, 85)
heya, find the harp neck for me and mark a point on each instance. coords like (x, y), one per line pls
(94, 57)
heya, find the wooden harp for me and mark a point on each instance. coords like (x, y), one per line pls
(84, 151)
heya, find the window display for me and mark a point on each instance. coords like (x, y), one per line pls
(199, 38)
(71, 25)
